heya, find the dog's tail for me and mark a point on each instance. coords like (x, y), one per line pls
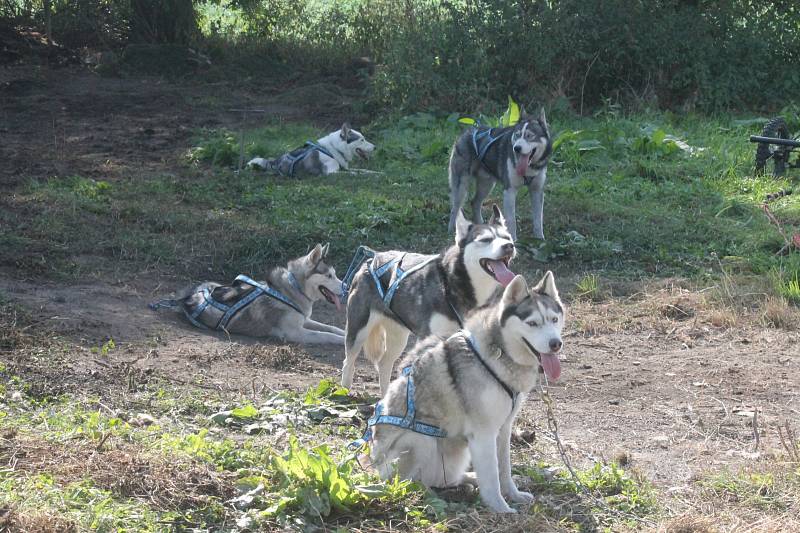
(375, 345)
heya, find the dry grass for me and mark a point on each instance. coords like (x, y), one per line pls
(163, 482)
(12, 521)
(778, 313)
(281, 357)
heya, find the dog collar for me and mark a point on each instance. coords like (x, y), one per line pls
(296, 284)
(471, 343)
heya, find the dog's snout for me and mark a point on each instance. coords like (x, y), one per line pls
(555, 345)
(508, 248)
(517, 148)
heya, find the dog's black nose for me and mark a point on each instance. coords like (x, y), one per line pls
(518, 148)
(508, 248)
(555, 345)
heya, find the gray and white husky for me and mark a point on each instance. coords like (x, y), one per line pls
(514, 156)
(329, 154)
(471, 387)
(279, 307)
(431, 300)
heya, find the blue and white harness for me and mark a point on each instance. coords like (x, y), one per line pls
(365, 254)
(308, 147)
(229, 311)
(409, 421)
(483, 139)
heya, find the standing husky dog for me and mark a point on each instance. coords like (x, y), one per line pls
(278, 307)
(329, 154)
(432, 299)
(513, 156)
(457, 398)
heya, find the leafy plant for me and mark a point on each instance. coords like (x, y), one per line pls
(509, 118)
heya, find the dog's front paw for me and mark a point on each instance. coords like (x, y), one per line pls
(519, 496)
(498, 506)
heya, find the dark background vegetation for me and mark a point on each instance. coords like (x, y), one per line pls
(458, 55)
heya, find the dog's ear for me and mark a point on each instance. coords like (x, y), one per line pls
(325, 250)
(497, 217)
(543, 120)
(547, 286)
(462, 226)
(315, 255)
(515, 292)
(344, 133)
(522, 113)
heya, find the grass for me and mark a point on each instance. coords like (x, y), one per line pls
(627, 197)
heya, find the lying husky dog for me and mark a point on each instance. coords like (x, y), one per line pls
(431, 299)
(513, 156)
(329, 154)
(456, 399)
(278, 307)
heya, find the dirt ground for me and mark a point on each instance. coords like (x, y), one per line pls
(676, 397)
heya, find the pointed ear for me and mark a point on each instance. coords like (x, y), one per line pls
(497, 217)
(547, 286)
(543, 120)
(344, 133)
(515, 292)
(315, 255)
(325, 249)
(462, 226)
(522, 113)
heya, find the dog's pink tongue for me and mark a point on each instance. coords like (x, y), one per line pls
(522, 163)
(501, 272)
(551, 366)
(338, 302)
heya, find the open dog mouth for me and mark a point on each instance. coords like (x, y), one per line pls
(498, 269)
(549, 363)
(362, 153)
(331, 297)
(523, 162)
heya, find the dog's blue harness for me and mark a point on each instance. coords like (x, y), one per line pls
(230, 310)
(308, 147)
(482, 140)
(409, 421)
(364, 254)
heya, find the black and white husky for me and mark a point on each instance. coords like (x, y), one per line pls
(279, 307)
(431, 300)
(456, 399)
(514, 156)
(329, 154)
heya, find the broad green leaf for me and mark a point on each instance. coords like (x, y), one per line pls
(469, 121)
(248, 411)
(511, 116)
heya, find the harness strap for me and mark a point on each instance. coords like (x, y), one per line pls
(362, 254)
(408, 421)
(478, 135)
(471, 343)
(308, 147)
(401, 274)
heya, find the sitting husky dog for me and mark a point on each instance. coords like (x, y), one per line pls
(465, 393)
(513, 156)
(329, 154)
(278, 307)
(432, 299)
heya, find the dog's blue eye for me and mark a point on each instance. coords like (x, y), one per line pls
(533, 323)
(486, 239)
(555, 320)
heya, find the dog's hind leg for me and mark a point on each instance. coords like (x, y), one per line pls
(396, 340)
(360, 325)
(536, 189)
(459, 187)
(483, 187)
(510, 210)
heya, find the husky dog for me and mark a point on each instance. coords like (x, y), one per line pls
(278, 307)
(431, 300)
(513, 156)
(329, 154)
(465, 393)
